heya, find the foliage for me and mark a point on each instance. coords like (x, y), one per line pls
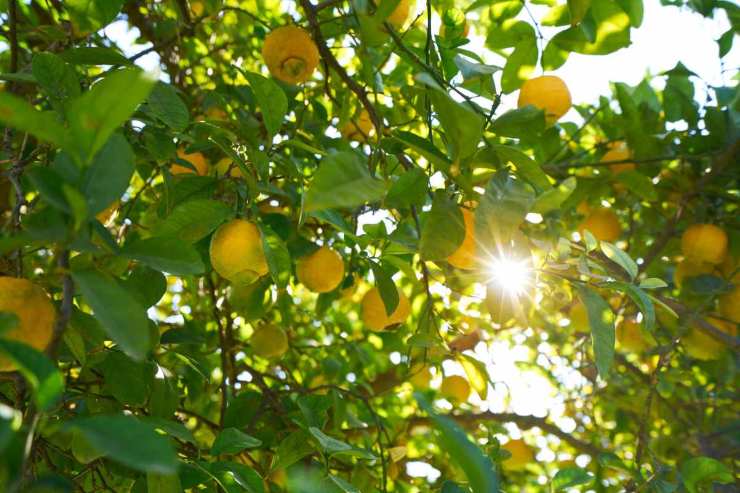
(152, 382)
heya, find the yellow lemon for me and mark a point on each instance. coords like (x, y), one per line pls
(464, 256)
(729, 305)
(373, 311)
(632, 338)
(236, 252)
(269, 341)
(548, 93)
(687, 269)
(603, 223)
(455, 389)
(290, 54)
(321, 271)
(226, 165)
(420, 376)
(359, 129)
(197, 159)
(216, 113)
(578, 316)
(106, 214)
(398, 17)
(521, 455)
(704, 243)
(197, 8)
(35, 313)
(703, 346)
(618, 151)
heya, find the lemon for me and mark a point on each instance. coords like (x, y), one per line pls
(322, 271)
(455, 389)
(632, 338)
(703, 346)
(687, 269)
(548, 93)
(398, 17)
(603, 223)
(618, 151)
(107, 214)
(290, 54)
(374, 314)
(729, 305)
(420, 376)
(197, 159)
(464, 256)
(359, 129)
(236, 252)
(269, 341)
(521, 455)
(35, 313)
(704, 243)
(578, 316)
(226, 165)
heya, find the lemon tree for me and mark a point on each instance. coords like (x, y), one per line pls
(383, 246)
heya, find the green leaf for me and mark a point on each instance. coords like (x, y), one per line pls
(386, 287)
(501, 210)
(95, 115)
(410, 189)
(277, 256)
(193, 220)
(42, 375)
(94, 55)
(342, 181)
(91, 15)
(477, 467)
(424, 148)
(704, 470)
(526, 167)
(58, 80)
(611, 31)
(129, 441)
(163, 483)
(653, 283)
(601, 320)
(233, 441)
(237, 478)
(8, 321)
(521, 122)
(332, 446)
(117, 310)
(166, 105)
(570, 477)
(553, 198)
(169, 255)
(129, 381)
(477, 374)
(20, 115)
(639, 184)
(443, 229)
(578, 9)
(109, 175)
(641, 299)
(620, 257)
(520, 64)
(271, 100)
(293, 448)
(344, 485)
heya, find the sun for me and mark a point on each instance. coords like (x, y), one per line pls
(512, 275)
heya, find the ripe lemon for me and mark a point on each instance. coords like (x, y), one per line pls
(236, 252)
(197, 8)
(687, 269)
(226, 165)
(106, 214)
(602, 223)
(618, 151)
(455, 389)
(198, 160)
(321, 271)
(216, 113)
(359, 129)
(35, 313)
(548, 93)
(269, 341)
(464, 256)
(373, 311)
(578, 316)
(290, 54)
(420, 377)
(729, 305)
(521, 455)
(703, 346)
(398, 17)
(704, 243)
(632, 338)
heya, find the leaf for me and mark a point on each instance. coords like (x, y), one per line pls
(638, 184)
(641, 299)
(410, 189)
(653, 283)
(342, 181)
(520, 64)
(578, 9)
(8, 321)
(620, 257)
(237, 478)
(163, 483)
(386, 287)
(553, 198)
(20, 115)
(277, 256)
(611, 31)
(521, 122)
(95, 115)
(45, 380)
(166, 255)
(344, 485)
(293, 448)
(424, 148)
(332, 446)
(271, 100)
(477, 467)
(91, 15)
(233, 441)
(58, 80)
(443, 229)
(502, 209)
(476, 373)
(128, 381)
(118, 311)
(166, 105)
(601, 320)
(194, 219)
(94, 55)
(109, 175)
(526, 167)
(570, 477)
(129, 441)
(704, 470)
